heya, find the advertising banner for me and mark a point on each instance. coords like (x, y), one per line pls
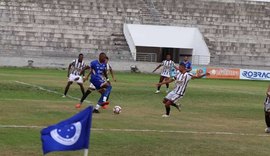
(223, 73)
(249, 74)
(198, 70)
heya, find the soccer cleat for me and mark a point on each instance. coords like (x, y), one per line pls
(105, 103)
(158, 91)
(105, 106)
(165, 116)
(78, 105)
(267, 130)
(95, 111)
(64, 96)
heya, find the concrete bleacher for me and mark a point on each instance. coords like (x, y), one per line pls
(237, 32)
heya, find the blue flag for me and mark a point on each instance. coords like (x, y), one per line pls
(68, 135)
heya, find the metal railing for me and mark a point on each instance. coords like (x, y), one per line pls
(200, 60)
(147, 57)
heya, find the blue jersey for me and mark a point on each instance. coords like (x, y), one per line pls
(187, 64)
(98, 68)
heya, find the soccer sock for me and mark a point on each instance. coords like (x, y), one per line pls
(66, 90)
(267, 119)
(174, 105)
(85, 96)
(104, 97)
(82, 89)
(108, 91)
(168, 109)
(158, 88)
(97, 107)
(167, 85)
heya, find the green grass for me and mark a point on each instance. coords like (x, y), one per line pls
(209, 106)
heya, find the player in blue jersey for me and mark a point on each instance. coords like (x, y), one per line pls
(98, 71)
(186, 63)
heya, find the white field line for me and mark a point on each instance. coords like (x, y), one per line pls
(48, 90)
(150, 130)
(128, 130)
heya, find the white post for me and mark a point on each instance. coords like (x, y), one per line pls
(85, 152)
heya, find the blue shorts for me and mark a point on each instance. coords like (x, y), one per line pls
(97, 81)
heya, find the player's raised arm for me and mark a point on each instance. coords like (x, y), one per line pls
(69, 67)
(165, 82)
(83, 72)
(200, 76)
(111, 71)
(157, 68)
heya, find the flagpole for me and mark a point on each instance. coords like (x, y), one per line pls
(85, 152)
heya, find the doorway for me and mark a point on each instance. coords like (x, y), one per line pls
(174, 52)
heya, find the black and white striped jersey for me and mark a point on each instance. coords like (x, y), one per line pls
(267, 100)
(76, 67)
(167, 66)
(267, 104)
(181, 82)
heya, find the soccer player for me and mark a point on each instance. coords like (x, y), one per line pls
(98, 70)
(167, 64)
(93, 88)
(74, 71)
(109, 69)
(187, 64)
(267, 110)
(181, 81)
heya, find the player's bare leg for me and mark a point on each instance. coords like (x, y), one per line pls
(161, 79)
(88, 91)
(82, 88)
(105, 93)
(67, 88)
(167, 85)
(167, 105)
(177, 106)
(267, 121)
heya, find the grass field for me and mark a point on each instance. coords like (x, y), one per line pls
(219, 117)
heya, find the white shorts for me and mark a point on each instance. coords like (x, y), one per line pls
(168, 76)
(172, 96)
(92, 87)
(72, 78)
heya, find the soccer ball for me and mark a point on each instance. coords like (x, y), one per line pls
(117, 110)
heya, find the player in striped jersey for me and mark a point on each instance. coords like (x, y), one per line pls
(167, 64)
(74, 70)
(267, 110)
(181, 81)
(109, 69)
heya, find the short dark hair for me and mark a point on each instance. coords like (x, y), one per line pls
(80, 54)
(102, 53)
(182, 64)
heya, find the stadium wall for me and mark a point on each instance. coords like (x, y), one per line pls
(237, 32)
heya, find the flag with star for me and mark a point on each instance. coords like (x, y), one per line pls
(68, 135)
